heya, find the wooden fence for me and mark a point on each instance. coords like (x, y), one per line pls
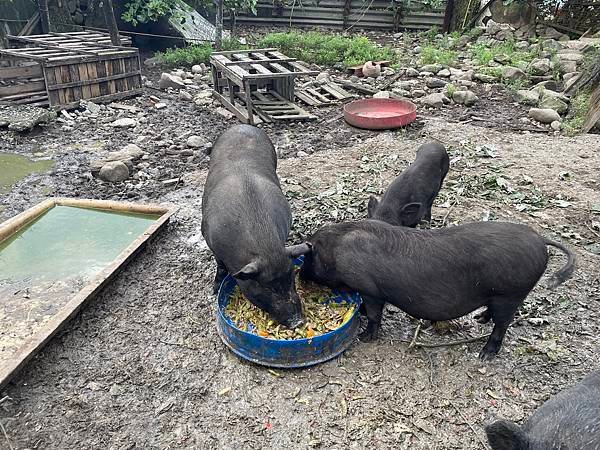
(342, 14)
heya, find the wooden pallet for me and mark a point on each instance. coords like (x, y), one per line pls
(270, 107)
(323, 95)
(248, 71)
(60, 69)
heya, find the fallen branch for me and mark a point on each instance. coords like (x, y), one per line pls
(414, 339)
(6, 437)
(448, 212)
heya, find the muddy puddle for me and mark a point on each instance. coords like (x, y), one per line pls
(14, 168)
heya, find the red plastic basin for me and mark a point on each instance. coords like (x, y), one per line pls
(380, 113)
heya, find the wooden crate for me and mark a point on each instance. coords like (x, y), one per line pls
(59, 69)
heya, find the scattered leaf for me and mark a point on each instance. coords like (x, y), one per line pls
(225, 391)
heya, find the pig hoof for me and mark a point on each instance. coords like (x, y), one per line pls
(367, 336)
(487, 354)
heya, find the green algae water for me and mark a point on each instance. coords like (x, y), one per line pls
(16, 167)
(67, 242)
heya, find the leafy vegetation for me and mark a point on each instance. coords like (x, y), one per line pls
(195, 54)
(579, 107)
(435, 55)
(483, 54)
(325, 49)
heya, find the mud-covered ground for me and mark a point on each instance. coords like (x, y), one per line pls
(143, 367)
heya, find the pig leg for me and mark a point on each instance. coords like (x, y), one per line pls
(484, 316)
(221, 273)
(502, 311)
(374, 308)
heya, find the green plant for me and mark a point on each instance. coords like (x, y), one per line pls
(144, 11)
(195, 54)
(434, 55)
(325, 49)
(450, 90)
(579, 107)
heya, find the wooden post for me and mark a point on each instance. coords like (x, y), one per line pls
(44, 15)
(347, 6)
(111, 22)
(448, 16)
(219, 25)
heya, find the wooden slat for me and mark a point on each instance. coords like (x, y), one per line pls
(18, 88)
(34, 70)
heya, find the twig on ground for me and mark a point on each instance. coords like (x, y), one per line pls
(3, 399)
(448, 212)
(414, 339)
(469, 424)
(6, 436)
(452, 343)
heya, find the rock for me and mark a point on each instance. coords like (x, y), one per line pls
(544, 115)
(426, 74)
(185, 96)
(170, 81)
(501, 58)
(568, 76)
(555, 125)
(505, 35)
(196, 69)
(178, 73)
(411, 72)
(160, 105)
(551, 44)
(570, 82)
(124, 122)
(565, 66)
(435, 83)
(301, 154)
(90, 106)
(436, 100)
(407, 85)
(456, 73)
(203, 98)
(485, 78)
(417, 50)
(512, 73)
(382, 94)
(402, 92)
(540, 66)
(433, 68)
(522, 45)
(463, 41)
(554, 103)
(195, 141)
(130, 152)
(551, 33)
(444, 73)
(553, 94)
(525, 97)
(570, 55)
(224, 112)
(492, 27)
(24, 117)
(371, 70)
(547, 84)
(467, 98)
(114, 171)
(468, 75)
(417, 93)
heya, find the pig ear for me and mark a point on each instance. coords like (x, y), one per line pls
(294, 251)
(247, 272)
(372, 207)
(410, 213)
(506, 435)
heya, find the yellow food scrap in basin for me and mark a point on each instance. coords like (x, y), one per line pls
(320, 314)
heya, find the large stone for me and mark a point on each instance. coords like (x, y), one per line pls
(124, 122)
(435, 83)
(485, 78)
(554, 103)
(513, 73)
(444, 73)
(570, 82)
(525, 97)
(468, 75)
(436, 100)
(467, 98)
(24, 117)
(570, 55)
(417, 93)
(568, 76)
(196, 69)
(411, 72)
(547, 84)
(382, 94)
(501, 58)
(195, 141)
(540, 66)
(544, 115)
(170, 81)
(505, 35)
(114, 171)
(433, 68)
(552, 33)
(565, 66)
(492, 27)
(551, 44)
(130, 152)
(522, 45)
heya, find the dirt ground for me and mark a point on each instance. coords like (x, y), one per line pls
(143, 367)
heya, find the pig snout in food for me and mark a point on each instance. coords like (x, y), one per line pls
(437, 275)
(569, 420)
(409, 198)
(246, 220)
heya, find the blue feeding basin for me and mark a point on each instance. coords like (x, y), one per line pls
(291, 353)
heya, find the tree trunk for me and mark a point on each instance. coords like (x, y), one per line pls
(219, 25)
(111, 22)
(44, 15)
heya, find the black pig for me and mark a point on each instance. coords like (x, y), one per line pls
(436, 274)
(568, 421)
(410, 196)
(246, 220)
